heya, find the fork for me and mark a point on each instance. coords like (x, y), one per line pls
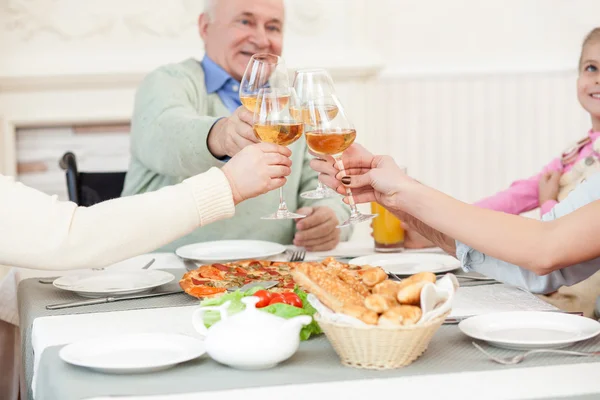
(520, 357)
(298, 255)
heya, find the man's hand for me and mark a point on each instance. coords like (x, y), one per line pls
(318, 231)
(230, 135)
(549, 186)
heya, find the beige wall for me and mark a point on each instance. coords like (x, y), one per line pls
(469, 94)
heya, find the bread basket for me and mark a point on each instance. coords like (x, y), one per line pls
(375, 347)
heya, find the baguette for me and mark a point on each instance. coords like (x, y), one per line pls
(352, 280)
(326, 286)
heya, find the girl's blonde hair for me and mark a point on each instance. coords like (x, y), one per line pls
(592, 37)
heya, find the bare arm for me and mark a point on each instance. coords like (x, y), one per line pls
(539, 246)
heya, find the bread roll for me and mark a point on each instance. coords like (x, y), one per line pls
(387, 288)
(373, 276)
(400, 316)
(380, 303)
(411, 294)
(362, 313)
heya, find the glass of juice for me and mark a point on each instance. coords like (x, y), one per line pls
(388, 232)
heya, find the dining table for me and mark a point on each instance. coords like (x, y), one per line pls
(451, 367)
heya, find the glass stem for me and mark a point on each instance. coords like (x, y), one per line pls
(282, 205)
(351, 203)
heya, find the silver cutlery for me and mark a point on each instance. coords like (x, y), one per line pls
(297, 255)
(149, 264)
(48, 280)
(520, 357)
(265, 285)
(108, 300)
(51, 279)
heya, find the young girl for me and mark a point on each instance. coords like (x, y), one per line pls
(557, 179)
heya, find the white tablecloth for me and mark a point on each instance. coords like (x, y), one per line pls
(9, 313)
(533, 382)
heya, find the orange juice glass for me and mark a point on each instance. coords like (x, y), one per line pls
(387, 230)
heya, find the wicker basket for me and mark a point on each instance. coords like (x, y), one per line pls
(375, 347)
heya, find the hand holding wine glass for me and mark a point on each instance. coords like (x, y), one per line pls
(263, 71)
(331, 134)
(273, 123)
(311, 84)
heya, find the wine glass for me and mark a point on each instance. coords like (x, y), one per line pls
(273, 123)
(311, 84)
(331, 134)
(264, 70)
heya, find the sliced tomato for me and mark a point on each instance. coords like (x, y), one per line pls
(292, 299)
(221, 267)
(241, 271)
(264, 298)
(271, 272)
(199, 281)
(277, 298)
(201, 291)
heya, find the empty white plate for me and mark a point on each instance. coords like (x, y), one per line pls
(112, 282)
(229, 250)
(530, 329)
(409, 263)
(133, 353)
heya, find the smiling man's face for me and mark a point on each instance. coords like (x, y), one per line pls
(588, 83)
(241, 28)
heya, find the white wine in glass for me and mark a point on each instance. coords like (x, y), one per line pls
(311, 84)
(264, 70)
(273, 124)
(332, 136)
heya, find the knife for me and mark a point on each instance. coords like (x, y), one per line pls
(108, 300)
(248, 286)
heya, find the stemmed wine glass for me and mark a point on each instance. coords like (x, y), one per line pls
(264, 70)
(311, 84)
(273, 123)
(331, 134)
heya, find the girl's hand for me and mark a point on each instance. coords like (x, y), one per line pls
(549, 186)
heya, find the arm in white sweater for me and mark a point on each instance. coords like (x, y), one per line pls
(38, 231)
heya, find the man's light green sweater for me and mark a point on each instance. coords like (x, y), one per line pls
(172, 117)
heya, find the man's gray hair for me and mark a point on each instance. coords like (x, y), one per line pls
(210, 8)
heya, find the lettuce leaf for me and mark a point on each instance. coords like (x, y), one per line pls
(279, 309)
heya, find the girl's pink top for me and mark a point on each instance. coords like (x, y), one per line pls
(523, 195)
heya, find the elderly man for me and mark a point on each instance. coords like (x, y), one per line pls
(188, 118)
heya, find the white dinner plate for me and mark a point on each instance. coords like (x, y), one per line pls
(133, 353)
(530, 329)
(229, 250)
(112, 282)
(409, 263)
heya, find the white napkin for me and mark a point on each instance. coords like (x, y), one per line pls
(436, 299)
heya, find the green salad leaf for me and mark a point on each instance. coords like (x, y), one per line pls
(279, 309)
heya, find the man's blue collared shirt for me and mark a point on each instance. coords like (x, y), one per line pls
(217, 80)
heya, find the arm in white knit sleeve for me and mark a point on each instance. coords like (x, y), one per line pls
(39, 231)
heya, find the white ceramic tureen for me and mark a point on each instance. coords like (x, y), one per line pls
(250, 339)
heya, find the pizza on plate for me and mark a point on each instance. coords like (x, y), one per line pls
(213, 280)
